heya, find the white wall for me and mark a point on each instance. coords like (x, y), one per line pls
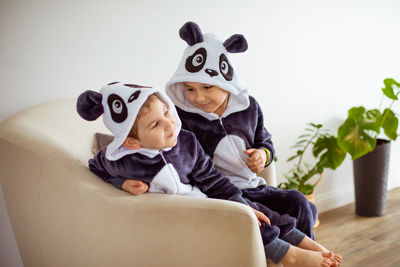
(307, 61)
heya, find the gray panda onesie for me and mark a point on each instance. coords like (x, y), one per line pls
(183, 169)
(206, 60)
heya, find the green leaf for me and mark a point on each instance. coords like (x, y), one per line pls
(292, 181)
(356, 113)
(315, 125)
(332, 155)
(306, 189)
(372, 114)
(308, 167)
(301, 142)
(390, 123)
(304, 135)
(292, 158)
(297, 146)
(309, 130)
(355, 139)
(389, 90)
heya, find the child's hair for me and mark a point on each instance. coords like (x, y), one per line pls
(143, 111)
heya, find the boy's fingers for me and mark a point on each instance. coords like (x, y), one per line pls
(254, 162)
(249, 151)
(265, 218)
(261, 217)
(253, 157)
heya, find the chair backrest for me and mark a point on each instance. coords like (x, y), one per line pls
(53, 122)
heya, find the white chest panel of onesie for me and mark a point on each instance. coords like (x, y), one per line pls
(167, 181)
(230, 158)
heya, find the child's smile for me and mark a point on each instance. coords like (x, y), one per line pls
(209, 98)
(157, 129)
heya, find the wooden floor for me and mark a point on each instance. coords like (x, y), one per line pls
(363, 241)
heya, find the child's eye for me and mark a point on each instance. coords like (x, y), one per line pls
(190, 89)
(166, 112)
(208, 86)
(154, 125)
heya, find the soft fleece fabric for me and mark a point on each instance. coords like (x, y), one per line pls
(241, 126)
(184, 169)
(187, 170)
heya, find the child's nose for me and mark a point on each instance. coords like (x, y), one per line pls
(200, 97)
(169, 124)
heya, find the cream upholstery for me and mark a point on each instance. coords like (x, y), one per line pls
(63, 215)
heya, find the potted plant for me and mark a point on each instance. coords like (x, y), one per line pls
(326, 154)
(361, 136)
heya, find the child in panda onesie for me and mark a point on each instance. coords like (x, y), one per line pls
(215, 105)
(150, 146)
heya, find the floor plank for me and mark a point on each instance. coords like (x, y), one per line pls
(363, 241)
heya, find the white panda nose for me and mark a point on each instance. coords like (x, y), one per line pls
(211, 72)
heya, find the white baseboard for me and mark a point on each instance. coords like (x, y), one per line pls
(334, 199)
(330, 200)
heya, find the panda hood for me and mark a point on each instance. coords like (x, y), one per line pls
(120, 103)
(207, 60)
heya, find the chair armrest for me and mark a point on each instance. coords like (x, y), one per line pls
(269, 174)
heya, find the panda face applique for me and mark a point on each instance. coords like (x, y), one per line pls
(197, 62)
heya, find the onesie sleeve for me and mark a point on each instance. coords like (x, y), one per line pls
(262, 138)
(98, 166)
(209, 180)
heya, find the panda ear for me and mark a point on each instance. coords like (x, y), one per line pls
(89, 105)
(236, 44)
(191, 33)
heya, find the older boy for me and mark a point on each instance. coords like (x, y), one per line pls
(215, 105)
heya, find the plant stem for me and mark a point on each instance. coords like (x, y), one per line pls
(304, 149)
(390, 107)
(308, 176)
(380, 103)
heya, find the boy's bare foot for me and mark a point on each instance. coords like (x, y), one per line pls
(309, 244)
(301, 257)
(337, 258)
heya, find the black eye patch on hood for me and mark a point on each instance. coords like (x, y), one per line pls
(134, 96)
(225, 68)
(118, 109)
(197, 60)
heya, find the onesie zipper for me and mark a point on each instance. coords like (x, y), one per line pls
(169, 169)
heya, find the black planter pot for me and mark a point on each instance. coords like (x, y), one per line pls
(370, 180)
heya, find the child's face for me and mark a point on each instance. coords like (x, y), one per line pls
(157, 128)
(209, 98)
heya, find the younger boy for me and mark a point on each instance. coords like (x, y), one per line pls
(149, 146)
(215, 105)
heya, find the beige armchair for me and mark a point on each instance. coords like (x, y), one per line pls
(63, 215)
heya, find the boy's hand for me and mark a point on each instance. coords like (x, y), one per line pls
(256, 160)
(261, 217)
(135, 187)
